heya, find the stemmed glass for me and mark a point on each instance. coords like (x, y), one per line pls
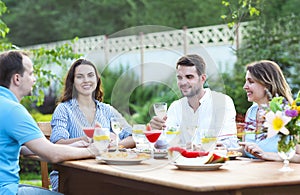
(286, 150)
(152, 137)
(89, 132)
(160, 109)
(116, 125)
(101, 139)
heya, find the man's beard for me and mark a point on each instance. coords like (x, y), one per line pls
(192, 93)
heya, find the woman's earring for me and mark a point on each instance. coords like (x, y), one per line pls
(268, 94)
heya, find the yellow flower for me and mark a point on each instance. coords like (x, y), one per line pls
(276, 123)
(295, 107)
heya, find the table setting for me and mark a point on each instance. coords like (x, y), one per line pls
(160, 145)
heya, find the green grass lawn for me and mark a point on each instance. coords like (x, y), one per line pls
(31, 179)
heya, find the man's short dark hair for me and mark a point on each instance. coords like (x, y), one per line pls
(10, 64)
(193, 60)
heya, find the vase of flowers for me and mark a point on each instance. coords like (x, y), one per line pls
(286, 150)
(283, 118)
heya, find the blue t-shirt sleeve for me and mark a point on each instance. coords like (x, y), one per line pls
(21, 126)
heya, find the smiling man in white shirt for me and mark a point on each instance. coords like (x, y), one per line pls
(199, 108)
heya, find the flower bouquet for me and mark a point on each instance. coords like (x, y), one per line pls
(283, 118)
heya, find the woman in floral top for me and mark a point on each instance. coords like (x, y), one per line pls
(264, 80)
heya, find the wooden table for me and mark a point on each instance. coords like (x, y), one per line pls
(159, 177)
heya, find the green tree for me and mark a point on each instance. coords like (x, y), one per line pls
(45, 60)
(39, 21)
(4, 43)
(31, 21)
(172, 13)
(273, 36)
(275, 39)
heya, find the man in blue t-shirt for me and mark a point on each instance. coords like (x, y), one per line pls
(18, 128)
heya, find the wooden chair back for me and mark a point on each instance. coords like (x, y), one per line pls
(46, 129)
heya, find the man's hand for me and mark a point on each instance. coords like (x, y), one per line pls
(158, 123)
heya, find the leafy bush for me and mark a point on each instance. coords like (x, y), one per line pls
(29, 166)
(39, 117)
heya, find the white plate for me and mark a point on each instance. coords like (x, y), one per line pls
(158, 155)
(116, 161)
(122, 161)
(205, 167)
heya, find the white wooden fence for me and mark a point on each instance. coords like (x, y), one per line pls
(185, 38)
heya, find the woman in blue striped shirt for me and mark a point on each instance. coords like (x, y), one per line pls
(81, 106)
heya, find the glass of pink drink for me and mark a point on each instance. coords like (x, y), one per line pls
(89, 132)
(152, 137)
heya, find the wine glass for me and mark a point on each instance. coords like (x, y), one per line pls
(160, 109)
(89, 132)
(101, 139)
(138, 134)
(116, 125)
(152, 136)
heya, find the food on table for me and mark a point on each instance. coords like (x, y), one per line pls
(200, 156)
(232, 154)
(188, 154)
(125, 155)
(218, 159)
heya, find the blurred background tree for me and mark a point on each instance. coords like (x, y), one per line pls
(38, 21)
(274, 35)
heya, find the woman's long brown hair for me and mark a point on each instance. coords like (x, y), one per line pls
(269, 74)
(69, 82)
